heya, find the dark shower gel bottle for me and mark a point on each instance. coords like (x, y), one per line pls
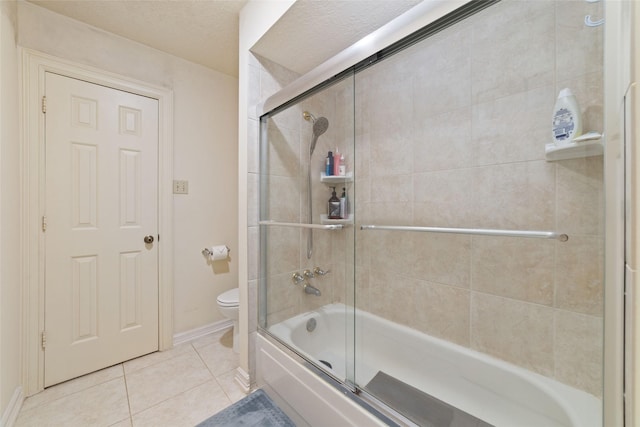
(333, 206)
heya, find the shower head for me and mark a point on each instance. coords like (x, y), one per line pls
(320, 126)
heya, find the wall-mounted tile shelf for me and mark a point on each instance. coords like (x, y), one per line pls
(336, 179)
(326, 221)
(574, 150)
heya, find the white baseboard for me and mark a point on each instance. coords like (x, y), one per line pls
(243, 380)
(10, 414)
(183, 337)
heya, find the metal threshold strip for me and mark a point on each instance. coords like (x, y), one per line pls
(302, 225)
(473, 231)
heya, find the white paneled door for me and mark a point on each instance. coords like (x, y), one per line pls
(101, 227)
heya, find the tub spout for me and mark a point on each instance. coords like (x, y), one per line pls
(308, 289)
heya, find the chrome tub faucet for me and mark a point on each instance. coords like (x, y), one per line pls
(311, 290)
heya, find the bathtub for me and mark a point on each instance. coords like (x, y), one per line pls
(492, 390)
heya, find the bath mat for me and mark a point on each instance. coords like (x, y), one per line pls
(420, 407)
(255, 410)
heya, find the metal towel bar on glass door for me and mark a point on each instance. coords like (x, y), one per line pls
(302, 225)
(473, 231)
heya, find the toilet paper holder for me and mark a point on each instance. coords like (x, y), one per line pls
(208, 252)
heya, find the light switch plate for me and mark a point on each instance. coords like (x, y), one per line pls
(180, 187)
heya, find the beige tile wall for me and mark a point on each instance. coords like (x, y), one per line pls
(451, 133)
(457, 140)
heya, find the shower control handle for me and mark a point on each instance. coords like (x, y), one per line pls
(297, 278)
(320, 272)
(308, 274)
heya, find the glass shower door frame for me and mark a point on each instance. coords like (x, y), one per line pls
(267, 223)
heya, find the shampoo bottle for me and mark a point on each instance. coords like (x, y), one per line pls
(344, 204)
(342, 170)
(329, 170)
(566, 121)
(336, 162)
(333, 207)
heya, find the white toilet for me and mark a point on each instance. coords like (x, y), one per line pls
(229, 303)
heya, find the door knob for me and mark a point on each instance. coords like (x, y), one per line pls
(148, 239)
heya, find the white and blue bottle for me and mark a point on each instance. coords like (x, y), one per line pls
(566, 121)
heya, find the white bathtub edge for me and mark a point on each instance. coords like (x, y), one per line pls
(581, 408)
(306, 398)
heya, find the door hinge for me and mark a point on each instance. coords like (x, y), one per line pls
(44, 340)
(44, 104)
(44, 223)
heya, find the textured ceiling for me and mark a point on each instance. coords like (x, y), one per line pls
(206, 31)
(313, 31)
(201, 31)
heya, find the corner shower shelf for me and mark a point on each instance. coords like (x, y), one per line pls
(336, 179)
(574, 150)
(325, 220)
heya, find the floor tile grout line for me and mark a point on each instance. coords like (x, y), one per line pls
(64, 396)
(204, 362)
(126, 389)
(168, 399)
(154, 363)
(223, 389)
(215, 377)
(174, 396)
(122, 373)
(73, 396)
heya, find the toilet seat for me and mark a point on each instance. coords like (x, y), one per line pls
(230, 298)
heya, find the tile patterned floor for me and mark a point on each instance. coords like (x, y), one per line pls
(178, 387)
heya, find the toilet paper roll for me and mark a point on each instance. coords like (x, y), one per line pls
(218, 253)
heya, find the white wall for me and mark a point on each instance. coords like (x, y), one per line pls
(9, 212)
(205, 150)
(255, 20)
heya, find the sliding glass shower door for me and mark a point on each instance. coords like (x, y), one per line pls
(457, 272)
(306, 224)
(479, 240)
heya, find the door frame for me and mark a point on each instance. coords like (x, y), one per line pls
(34, 65)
